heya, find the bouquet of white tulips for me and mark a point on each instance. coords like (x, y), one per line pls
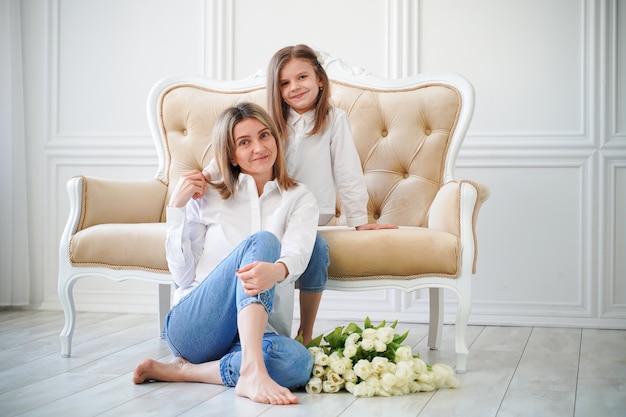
(372, 361)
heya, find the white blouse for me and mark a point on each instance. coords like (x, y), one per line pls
(201, 234)
(328, 163)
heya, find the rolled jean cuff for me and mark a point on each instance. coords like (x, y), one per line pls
(312, 289)
(265, 297)
(225, 374)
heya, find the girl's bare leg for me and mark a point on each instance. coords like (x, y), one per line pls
(177, 370)
(254, 380)
(309, 304)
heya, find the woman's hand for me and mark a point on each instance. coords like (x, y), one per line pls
(188, 185)
(259, 276)
(207, 178)
(376, 226)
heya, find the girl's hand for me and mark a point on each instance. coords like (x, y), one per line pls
(259, 276)
(188, 185)
(376, 226)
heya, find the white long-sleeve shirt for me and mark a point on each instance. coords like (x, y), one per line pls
(201, 234)
(328, 163)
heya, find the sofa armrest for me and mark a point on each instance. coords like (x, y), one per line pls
(455, 210)
(98, 201)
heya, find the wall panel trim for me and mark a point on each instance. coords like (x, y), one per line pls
(219, 33)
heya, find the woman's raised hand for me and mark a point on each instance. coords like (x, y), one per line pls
(207, 178)
(189, 184)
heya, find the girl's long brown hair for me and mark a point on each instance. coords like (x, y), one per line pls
(224, 147)
(278, 109)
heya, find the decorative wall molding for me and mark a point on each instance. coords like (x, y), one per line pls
(612, 241)
(519, 148)
(403, 38)
(111, 301)
(483, 313)
(53, 64)
(380, 305)
(219, 32)
(101, 144)
(615, 48)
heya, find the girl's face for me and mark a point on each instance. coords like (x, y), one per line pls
(255, 149)
(299, 85)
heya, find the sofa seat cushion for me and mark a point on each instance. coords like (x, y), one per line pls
(121, 246)
(403, 253)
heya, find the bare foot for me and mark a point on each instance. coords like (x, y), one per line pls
(151, 370)
(263, 389)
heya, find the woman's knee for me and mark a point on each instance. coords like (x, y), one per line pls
(263, 236)
(268, 241)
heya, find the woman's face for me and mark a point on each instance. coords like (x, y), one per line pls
(299, 85)
(255, 149)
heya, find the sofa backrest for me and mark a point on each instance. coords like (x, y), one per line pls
(407, 132)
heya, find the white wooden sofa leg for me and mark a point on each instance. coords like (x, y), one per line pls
(462, 318)
(435, 328)
(66, 297)
(164, 305)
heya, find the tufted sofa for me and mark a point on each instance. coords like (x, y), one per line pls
(408, 133)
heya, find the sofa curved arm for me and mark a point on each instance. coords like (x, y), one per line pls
(100, 201)
(455, 210)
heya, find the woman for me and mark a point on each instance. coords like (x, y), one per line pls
(230, 322)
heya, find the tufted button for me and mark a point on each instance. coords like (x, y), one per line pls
(376, 216)
(428, 132)
(384, 133)
(405, 175)
(184, 132)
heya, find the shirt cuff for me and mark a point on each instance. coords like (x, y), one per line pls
(357, 221)
(290, 276)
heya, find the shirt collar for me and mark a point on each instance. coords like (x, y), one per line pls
(308, 117)
(246, 181)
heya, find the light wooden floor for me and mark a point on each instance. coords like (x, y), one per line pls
(512, 371)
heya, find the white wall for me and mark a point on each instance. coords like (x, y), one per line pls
(548, 135)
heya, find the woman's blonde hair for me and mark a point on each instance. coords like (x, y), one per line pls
(224, 147)
(278, 109)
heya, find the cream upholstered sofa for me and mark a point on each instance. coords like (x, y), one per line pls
(408, 133)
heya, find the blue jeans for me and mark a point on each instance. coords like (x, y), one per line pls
(314, 277)
(202, 327)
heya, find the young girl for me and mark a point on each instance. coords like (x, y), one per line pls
(320, 149)
(228, 282)
(320, 153)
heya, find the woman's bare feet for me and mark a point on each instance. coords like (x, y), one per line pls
(151, 370)
(259, 387)
(254, 384)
